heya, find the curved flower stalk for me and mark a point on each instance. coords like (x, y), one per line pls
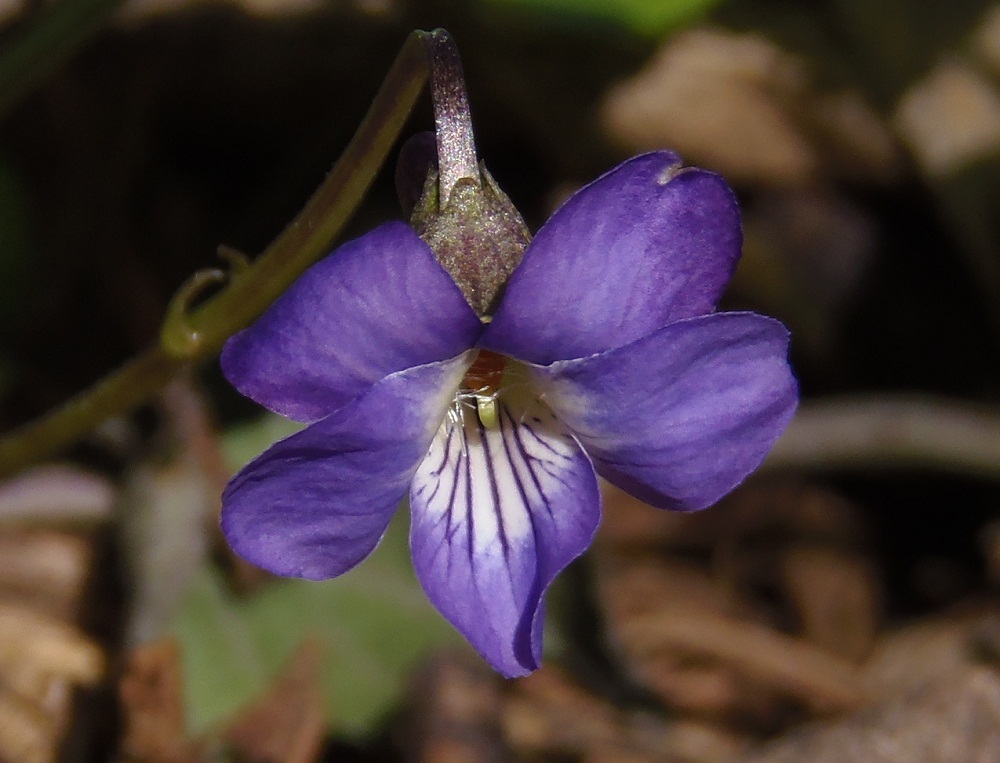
(604, 356)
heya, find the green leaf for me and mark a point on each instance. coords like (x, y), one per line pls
(223, 665)
(647, 17)
(374, 623)
(242, 443)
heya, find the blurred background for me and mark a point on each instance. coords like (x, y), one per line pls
(841, 605)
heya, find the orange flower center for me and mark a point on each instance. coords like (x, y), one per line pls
(485, 373)
(482, 382)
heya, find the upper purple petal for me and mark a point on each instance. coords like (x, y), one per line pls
(377, 305)
(646, 244)
(497, 513)
(682, 416)
(317, 503)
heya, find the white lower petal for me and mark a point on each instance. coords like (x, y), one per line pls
(498, 511)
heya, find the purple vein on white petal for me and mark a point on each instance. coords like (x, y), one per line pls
(317, 503)
(497, 512)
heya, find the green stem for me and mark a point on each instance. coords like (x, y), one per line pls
(130, 385)
(324, 216)
(252, 290)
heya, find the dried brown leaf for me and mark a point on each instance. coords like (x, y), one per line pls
(720, 100)
(955, 719)
(54, 647)
(789, 509)
(694, 628)
(456, 704)
(820, 679)
(152, 706)
(951, 118)
(52, 694)
(835, 594)
(628, 524)
(287, 724)
(547, 713)
(45, 569)
(703, 687)
(633, 588)
(27, 733)
(986, 39)
(930, 650)
(739, 104)
(44, 658)
(636, 585)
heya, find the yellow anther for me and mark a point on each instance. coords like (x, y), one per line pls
(486, 408)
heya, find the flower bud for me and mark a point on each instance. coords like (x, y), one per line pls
(477, 235)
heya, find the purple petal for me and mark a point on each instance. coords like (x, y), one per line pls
(377, 305)
(417, 158)
(498, 512)
(680, 417)
(640, 247)
(317, 503)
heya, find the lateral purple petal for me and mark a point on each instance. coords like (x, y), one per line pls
(377, 305)
(318, 502)
(682, 416)
(498, 512)
(646, 244)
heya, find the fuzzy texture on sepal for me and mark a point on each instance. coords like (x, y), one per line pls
(477, 235)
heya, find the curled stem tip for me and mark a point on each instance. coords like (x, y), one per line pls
(178, 336)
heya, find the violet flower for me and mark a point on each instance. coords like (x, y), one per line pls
(604, 357)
